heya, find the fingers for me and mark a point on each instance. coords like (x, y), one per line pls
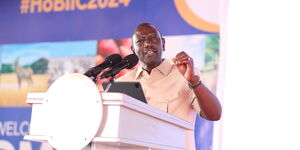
(182, 55)
(183, 58)
(174, 60)
(181, 62)
(185, 65)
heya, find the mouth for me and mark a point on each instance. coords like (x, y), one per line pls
(150, 52)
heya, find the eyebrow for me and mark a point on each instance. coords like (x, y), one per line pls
(151, 33)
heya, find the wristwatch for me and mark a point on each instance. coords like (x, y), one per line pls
(193, 86)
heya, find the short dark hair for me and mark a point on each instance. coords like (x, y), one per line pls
(146, 24)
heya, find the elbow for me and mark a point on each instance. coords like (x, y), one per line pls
(218, 115)
(215, 117)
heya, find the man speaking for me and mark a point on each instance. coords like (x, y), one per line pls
(170, 85)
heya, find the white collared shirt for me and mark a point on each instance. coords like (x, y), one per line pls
(166, 89)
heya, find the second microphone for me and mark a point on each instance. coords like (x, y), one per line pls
(127, 62)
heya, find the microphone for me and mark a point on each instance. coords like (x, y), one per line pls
(110, 60)
(128, 62)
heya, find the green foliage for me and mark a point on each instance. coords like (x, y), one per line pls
(212, 48)
(7, 68)
(27, 66)
(40, 66)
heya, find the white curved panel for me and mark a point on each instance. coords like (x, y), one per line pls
(73, 111)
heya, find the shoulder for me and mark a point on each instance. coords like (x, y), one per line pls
(129, 76)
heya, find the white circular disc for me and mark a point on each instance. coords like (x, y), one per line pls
(73, 111)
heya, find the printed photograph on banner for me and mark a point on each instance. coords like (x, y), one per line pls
(33, 67)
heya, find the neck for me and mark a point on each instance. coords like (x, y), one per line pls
(149, 68)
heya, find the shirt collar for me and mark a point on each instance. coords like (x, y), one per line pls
(164, 68)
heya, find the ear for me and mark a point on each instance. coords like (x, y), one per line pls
(132, 50)
(163, 43)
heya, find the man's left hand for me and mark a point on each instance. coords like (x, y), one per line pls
(185, 65)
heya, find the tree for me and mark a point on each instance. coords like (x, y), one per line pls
(212, 48)
(7, 68)
(40, 66)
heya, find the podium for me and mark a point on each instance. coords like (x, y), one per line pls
(123, 123)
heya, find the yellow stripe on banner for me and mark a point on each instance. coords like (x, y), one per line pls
(190, 17)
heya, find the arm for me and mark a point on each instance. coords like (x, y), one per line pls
(210, 106)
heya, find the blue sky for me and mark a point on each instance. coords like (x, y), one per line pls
(29, 53)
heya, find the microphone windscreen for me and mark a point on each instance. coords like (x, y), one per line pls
(132, 60)
(114, 58)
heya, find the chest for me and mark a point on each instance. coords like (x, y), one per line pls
(166, 92)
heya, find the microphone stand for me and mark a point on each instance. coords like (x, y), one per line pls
(91, 75)
(94, 78)
(111, 82)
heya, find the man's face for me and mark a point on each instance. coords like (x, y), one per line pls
(148, 45)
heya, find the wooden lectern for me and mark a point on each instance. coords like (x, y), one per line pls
(120, 122)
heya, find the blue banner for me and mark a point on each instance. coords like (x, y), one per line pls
(14, 125)
(31, 21)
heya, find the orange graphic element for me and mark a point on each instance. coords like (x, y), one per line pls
(190, 17)
(24, 6)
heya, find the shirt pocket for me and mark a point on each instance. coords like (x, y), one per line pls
(165, 97)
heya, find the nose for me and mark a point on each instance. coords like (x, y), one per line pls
(148, 42)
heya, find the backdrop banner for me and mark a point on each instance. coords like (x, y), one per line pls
(14, 124)
(40, 40)
(68, 20)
